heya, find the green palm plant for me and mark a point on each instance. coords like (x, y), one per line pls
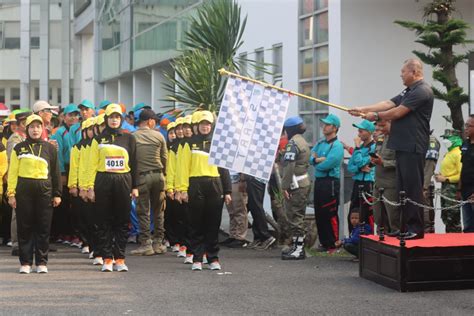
(214, 37)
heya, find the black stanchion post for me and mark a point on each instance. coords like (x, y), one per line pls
(403, 201)
(431, 212)
(382, 216)
(361, 210)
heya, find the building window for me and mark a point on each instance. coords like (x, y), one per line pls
(306, 59)
(313, 64)
(322, 61)
(307, 6)
(321, 4)
(321, 28)
(37, 93)
(259, 60)
(12, 35)
(34, 35)
(307, 34)
(277, 63)
(2, 95)
(15, 94)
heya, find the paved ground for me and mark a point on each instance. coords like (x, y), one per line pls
(251, 282)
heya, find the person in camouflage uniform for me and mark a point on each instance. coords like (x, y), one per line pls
(431, 160)
(449, 176)
(296, 185)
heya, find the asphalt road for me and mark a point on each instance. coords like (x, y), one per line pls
(251, 282)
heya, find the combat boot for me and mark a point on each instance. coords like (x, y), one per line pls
(145, 249)
(290, 245)
(158, 247)
(297, 252)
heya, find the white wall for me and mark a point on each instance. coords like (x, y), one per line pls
(87, 67)
(373, 49)
(271, 22)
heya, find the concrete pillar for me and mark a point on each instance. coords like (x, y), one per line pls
(44, 50)
(98, 86)
(77, 73)
(158, 93)
(111, 91)
(25, 20)
(125, 92)
(65, 52)
(141, 88)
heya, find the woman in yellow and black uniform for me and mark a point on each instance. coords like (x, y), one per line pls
(206, 187)
(81, 210)
(171, 220)
(34, 187)
(113, 175)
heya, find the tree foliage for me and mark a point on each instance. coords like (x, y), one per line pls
(441, 32)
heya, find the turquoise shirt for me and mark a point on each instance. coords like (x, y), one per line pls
(333, 150)
(361, 158)
(64, 151)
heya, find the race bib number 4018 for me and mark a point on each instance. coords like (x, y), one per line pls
(115, 163)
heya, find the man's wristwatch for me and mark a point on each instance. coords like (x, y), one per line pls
(376, 116)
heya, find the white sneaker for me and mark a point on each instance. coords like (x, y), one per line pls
(42, 269)
(9, 244)
(188, 259)
(26, 269)
(215, 265)
(204, 259)
(182, 252)
(175, 248)
(91, 255)
(167, 244)
(197, 266)
(98, 261)
(120, 266)
(85, 250)
(108, 266)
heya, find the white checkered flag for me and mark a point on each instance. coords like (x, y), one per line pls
(248, 128)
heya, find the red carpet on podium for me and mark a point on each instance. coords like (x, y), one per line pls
(431, 240)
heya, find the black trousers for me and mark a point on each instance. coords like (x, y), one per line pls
(34, 214)
(256, 193)
(172, 222)
(83, 215)
(410, 174)
(5, 216)
(205, 214)
(326, 204)
(112, 208)
(367, 210)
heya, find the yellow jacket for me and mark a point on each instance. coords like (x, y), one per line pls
(171, 169)
(193, 162)
(451, 165)
(73, 178)
(34, 160)
(3, 166)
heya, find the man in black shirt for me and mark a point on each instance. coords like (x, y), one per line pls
(410, 113)
(467, 176)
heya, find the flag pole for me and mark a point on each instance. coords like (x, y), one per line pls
(224, 72)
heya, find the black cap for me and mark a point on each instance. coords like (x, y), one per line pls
(147, 114)
(22, 115)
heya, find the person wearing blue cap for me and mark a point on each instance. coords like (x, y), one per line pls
(326, 157)
(140, 106)
(363, 170)
(63, 224)
(87, 110)
(295, 185)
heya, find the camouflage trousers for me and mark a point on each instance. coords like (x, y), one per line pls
(452, 217)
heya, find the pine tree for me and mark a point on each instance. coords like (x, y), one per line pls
(440, 32)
